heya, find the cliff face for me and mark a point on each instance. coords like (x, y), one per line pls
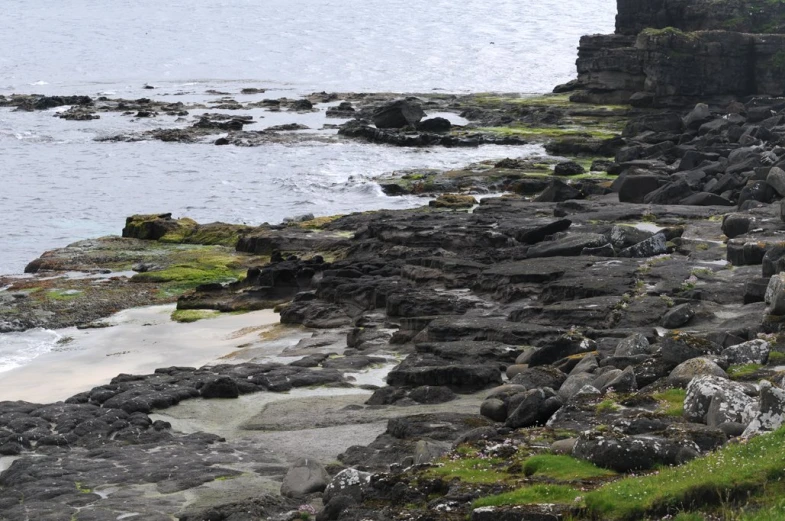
(676, 52)
(747, 16)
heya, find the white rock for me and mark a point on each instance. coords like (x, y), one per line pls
(752, 352)
(701, 390)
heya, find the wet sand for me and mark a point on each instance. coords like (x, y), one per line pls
(140, 341)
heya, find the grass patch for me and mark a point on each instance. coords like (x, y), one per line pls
(81, 488)
(471, 470)
(776, 358)
(530, 495)
(545, 133)
(563, 468)
(741, 371)
(771, 513)
(689, 516)
(671, 402)
(63, 294)
(193, 267)
(548, 100)
(731, 473)
(186, 316)
(606, 406)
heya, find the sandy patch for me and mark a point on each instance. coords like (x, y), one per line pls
(140, 341)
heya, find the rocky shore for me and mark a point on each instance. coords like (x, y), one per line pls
(602, 341)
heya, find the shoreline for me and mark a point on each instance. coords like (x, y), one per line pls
(614, 313)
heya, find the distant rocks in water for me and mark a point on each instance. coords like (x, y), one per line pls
(222, 122)
(288, 127)
(361, 129)
(398, 114)
(299, 218)
(301, 105)
(78, 113)
(344, 110)
(435, 125)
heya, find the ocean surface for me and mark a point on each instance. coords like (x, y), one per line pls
(60, 185)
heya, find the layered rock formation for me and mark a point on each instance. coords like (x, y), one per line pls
(676, 52)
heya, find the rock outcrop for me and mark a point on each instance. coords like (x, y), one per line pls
(676, 52)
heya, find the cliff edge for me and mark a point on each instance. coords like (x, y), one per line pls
(673, 53)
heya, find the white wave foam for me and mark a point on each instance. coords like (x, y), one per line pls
(18, 349)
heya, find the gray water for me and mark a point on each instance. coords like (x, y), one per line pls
(59, 185)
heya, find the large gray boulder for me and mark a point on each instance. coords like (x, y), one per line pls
(701, 391)
(305, 477)
(678, 316)
(539, 377)
(635, 344)
(536, 408)
(775, 294)
(730, 406)
(772, 410)
(349, 482)
(776, 179)
(684, 373)
(627, 453)
(752, 352)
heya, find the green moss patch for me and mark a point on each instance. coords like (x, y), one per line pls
(187, 316)
(776, 358)
(742, 371)
(563, 468)
(530, 495)
(471, 470)
(546, 133)
(64, 294)
(671, 402)
(606, 406)
(194, 266)
(190, 232)
(732, 473)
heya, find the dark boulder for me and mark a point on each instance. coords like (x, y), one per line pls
(569, 168)
(398, 114)
(222, 387)
(434, 125)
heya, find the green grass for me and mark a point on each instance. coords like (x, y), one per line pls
(63, 294)
(471, 470)
(544, 133)
(548, 100)
(563, 468)
(81, 488)
(776, 358)
(187, 316)
(771, 513)
(530, 495)
(193, 267)
(689, 516)
(741, 371)
(733, 472)
(671, 402)
(606, 406)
